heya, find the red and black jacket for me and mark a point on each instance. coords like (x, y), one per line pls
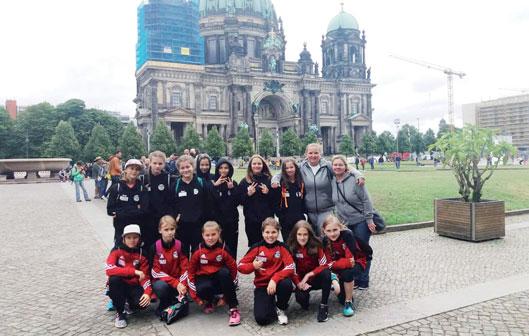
(306, 263)
(277, 263)
(169, 263)
(340, 251)
(123, 262)
(208, 260)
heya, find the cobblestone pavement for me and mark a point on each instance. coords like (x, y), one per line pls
(54, 263)
(508, 315)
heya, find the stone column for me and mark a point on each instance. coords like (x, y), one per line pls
(317, 108)
(304, 114)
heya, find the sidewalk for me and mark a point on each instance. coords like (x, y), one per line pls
(55, 250)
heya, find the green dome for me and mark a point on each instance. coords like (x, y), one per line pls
(343, 20)
(259, 8)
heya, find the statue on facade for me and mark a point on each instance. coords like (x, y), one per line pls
(317, 69)
(369, 73)
(272, 65)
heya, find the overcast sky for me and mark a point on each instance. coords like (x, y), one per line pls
(59, 49)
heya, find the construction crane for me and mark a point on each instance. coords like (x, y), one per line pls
(450, 77)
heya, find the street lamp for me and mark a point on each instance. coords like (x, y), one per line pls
(397, 123)
(277, 141)
(148, 141)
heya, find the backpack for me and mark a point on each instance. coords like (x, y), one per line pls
(176, 311)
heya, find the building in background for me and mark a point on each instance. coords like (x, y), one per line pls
(509, 116)
(239, 74)
(11, 108)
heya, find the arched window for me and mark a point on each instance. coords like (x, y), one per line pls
(324, 107)
(212, 103)
(176, 99)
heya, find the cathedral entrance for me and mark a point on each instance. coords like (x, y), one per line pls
(271, 111)
(178, 130)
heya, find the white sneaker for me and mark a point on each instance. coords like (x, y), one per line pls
(282, 317)
(120, 321)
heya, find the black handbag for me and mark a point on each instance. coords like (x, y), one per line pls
(377, 219)
(176, 311)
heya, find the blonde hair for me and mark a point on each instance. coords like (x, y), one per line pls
(158, 154)
(270, 221)
(319, 146)
(211, 225)
(167, 220)
(340, 157)
(332, 219)
(185, 158)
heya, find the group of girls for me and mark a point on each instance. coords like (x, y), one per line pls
(197, 197)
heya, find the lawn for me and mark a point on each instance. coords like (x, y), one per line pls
(407, 196)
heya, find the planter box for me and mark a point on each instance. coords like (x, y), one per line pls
(469, 221)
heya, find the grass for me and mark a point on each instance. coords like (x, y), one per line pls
(407, 195)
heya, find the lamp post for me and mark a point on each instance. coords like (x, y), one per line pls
(277, 142)
(148, 141)
(27, 144)
(397, 123)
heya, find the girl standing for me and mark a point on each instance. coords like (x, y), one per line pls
(226, 196)
(256, 198)
(289, 197)
(346, 258)
(273, 266)
(204, 167)
(312, 270)
(213, 271)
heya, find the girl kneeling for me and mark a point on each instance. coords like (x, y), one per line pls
(273, 266)
(347, 258)
(312, 270)
(213, 271)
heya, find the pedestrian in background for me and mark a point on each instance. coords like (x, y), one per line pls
(78, 174)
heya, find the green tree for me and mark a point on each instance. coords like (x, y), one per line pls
(443, 128)
(266, 144)
(131, 143)
(386, 142)
(310, 137)
(404, 138)
(215, 145)
(417, 141)
(71, 109)
(85, 122)
(346, 146)
(98, 144)
(64, 144)
(290, 143)
(242, 144)
(162, 139)
(6, 134)
(33, 130)
(369, 143)
(191, 139)
(428, 138)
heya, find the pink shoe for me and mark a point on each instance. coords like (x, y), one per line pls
(208, 308)
(235, 317)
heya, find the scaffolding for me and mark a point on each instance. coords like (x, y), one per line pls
(168, 31)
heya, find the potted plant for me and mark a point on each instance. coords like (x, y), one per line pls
(473, 155)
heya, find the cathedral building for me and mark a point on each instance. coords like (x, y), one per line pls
(225, 67)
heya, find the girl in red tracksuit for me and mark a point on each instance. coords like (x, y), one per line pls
(169, 265)
(347, 257)
(213, 271)
(273, 266)
(128, 271)
(312, 269)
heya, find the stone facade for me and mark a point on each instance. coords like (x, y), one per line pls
(246, 79)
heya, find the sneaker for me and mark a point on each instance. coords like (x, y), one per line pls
(208, 308)
(282, 317)
(362, 285)
(323, 313)
(110, 306)
(88, 200)
(120, 321)
(348, 309)
(355, 286)
(127, 309)
(104, 198)
(235, 317)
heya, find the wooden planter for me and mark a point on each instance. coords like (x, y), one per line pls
(469, 221)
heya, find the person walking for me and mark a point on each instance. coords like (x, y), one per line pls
(115, 167)
(96, 176)
(78, 173)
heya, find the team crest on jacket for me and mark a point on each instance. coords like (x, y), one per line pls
(203, 259)
(121, 261)
(195, 191)
(136, 264)
(299, 255)
(219, 258)
(136, 198)
(343, 246)
(175, 254)
(162, 259)
(277, 255)
(161, 187)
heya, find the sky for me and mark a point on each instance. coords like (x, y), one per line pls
(55, 50)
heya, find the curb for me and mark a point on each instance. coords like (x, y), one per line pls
(422, 225)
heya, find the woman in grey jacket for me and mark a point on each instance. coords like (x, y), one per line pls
(353, 207)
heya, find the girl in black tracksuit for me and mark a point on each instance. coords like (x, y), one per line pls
(256, 198)
(289, 197)
(204, 167)
(226, 196)
(190, 204)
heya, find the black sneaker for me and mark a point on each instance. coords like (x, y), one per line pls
(323, 313)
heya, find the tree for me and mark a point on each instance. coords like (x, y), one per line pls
(191, 139)
(266, 144)
(428, 138)
(310, 137)
(242, 144)
(346, 146)
(369, 143)
(162, 139)
(70, 109)
(33, 130)
(6, 134)
(386, 142)
(417, 141)
(404, 138)
(64, 144)
(443, 128)
(215, 145)
(290, 143)
(131, 143)
(85, 122)
(99, 144)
